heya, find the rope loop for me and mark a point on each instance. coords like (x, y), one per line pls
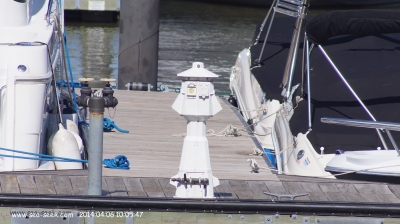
(109, 125)
(119, 162)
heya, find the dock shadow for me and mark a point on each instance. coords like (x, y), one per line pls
(222, 195)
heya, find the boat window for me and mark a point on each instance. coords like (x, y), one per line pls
(20, 1)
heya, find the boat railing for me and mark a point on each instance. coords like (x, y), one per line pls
(363, 22)
(53, 6)
(382, 125)
(292, 8)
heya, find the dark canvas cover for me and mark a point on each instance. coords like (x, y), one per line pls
(357, 22)
(371, 65)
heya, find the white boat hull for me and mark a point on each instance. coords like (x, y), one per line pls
(370, 162)
(271, 127)
(29, 54)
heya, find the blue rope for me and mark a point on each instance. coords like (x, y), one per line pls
(46, 157)
(109, 125)
(70, 70)
(63, 83)
(119, 162)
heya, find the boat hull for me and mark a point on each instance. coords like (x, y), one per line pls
(369, 165)
(366, 177)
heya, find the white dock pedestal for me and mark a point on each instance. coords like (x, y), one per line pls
(197, 103)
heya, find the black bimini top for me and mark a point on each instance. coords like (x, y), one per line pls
(369, 63)
(357, 22)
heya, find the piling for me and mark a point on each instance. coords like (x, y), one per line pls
(96, 110)
(138, 42)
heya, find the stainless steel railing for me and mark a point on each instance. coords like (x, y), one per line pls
(366, 124)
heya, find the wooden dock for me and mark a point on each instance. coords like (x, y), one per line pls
(154, 153)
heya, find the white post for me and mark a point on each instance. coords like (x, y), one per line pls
(197, 103)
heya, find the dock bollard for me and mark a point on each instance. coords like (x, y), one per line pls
(95, 151)
(196, 103)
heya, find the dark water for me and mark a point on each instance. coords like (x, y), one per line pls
(189, 31)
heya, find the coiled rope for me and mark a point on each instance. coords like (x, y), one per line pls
(109, 125)
(119, 162)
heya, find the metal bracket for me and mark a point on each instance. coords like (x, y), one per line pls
(291, 196)
(190, 180)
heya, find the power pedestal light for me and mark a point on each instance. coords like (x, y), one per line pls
(197, 103)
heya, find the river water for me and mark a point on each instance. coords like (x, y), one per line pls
(189, 32)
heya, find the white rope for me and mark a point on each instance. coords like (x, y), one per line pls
(230, 130)
(257, 152)
(254, 165)
(261, 108)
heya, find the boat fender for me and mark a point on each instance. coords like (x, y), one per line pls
(78, 139)
(47, 165)
(64, 144)
(250, 122)
(232, 100)
(71, 126)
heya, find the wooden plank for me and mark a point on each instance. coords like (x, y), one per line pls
(328, 187)
(62, 184)
(25, 190)
(27, 184)
(275, 187)
(335, 196)
(134, 187)
(395, 189)
(376, 193)
(350, 192)
(224, 190)
(295, 189)
(372, 188)
(79, 185)
(168, 189)
(104, 188)
(45, 184)
(390, 198)
(26, 181)
(332, 192)
(152, 187)
(314, 192)
(9, 184)
(368, 192)
(241, 189)
(347, 188)
(116, 186)
(258, 188)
